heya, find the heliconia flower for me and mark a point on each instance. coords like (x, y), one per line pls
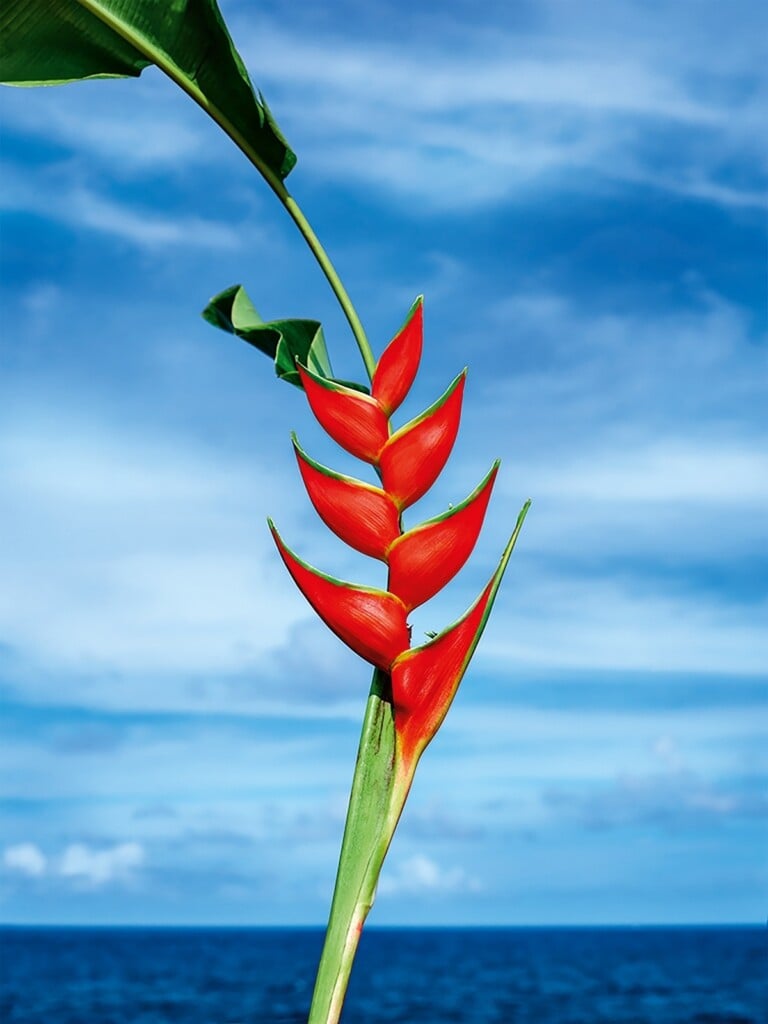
(368, 518)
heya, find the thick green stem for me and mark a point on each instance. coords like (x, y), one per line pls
(375, 804)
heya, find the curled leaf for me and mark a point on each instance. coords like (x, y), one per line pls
(285, 341)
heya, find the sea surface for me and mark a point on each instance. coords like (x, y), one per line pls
(408, 976)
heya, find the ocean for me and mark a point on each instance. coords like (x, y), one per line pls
(401, 976)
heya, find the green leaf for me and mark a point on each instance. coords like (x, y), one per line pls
(284, 341)
(50, 42)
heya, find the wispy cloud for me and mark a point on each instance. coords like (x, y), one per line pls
(569, 623)
(420, 874)
(671, 796)
(694, 365)
(92, 867)
(666, 471)
(135, 553)
(135, 127)
(25, 858)
(60, 197)
(78, 862)
(504, 751)
(486, 114)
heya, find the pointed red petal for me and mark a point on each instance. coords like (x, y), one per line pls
(362, 515)
(422, 560)
(354, 420)
(396, 369)
(371, 622)
(425, 679)
(414, 456)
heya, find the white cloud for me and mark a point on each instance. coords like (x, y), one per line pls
(666, 750)
(457, 124)
(132, 552)
(674, 798)
(55, 196)
(99, 867)
(80, 862)
(421, 874)
(83, 208)
(25, 858)
(665, 471)
(678, 502)
(138, 126)
(643, 450)
(698, 363)
(641, 434)
(487, 74)
(563, 621)
(507, 746)
(228, 761)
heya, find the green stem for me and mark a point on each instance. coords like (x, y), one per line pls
(158, 57)
(375, 804)
(333, 278)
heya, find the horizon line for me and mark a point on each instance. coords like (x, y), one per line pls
(6, 925)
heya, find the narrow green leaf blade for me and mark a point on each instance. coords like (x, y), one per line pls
(49, 42)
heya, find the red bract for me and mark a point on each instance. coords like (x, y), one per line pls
(362, 515)
(425, 679)
(354, 420)
(413, 458)
(424, 559)
(396, 369)
(371, 622)
(421, 560)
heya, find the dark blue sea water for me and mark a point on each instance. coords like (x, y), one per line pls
(413, 976)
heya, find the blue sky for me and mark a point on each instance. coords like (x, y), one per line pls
(579, 193)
